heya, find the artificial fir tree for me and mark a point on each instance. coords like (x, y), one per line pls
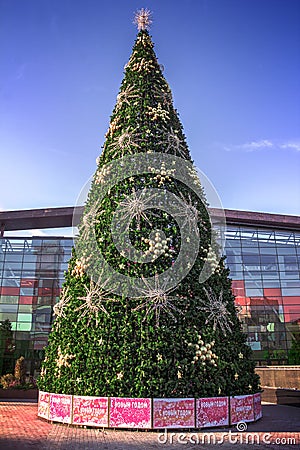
(131, 321)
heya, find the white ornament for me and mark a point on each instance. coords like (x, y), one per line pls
(89, 220)
(129, 93)
(173, 144)
(157, 300)
(189, 213)
(217, 311)
(80, 267)
(96, 295)
(58, 309)
(126, 141)
(135, 205)
(102, 174)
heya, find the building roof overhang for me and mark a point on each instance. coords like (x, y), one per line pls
(68, 216)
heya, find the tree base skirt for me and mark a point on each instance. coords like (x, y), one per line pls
(150, 413)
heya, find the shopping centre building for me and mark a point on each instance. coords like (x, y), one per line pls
(262, 253)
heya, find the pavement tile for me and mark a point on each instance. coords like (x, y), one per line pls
(21, 429)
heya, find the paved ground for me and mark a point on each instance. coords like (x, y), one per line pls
(20, 429)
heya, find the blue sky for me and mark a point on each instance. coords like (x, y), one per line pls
(233, 67)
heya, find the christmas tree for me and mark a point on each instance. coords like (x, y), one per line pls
(146, 308)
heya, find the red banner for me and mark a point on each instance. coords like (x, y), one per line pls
(241, 409)
(130, 412)
(173, 412)
(257, 406)
(43, 405)
(60, 408)
(90, 411)
(212, 412)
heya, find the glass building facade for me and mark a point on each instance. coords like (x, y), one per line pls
(31, 275)
(264, 266)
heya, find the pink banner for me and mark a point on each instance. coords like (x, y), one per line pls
(241, 409)
(257, 406)
(173, 412)
(60, 408)
(212, 412)
(43, 405)
(90, 411)
(130, 412)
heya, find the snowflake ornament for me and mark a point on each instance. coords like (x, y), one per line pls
(216, 310)
(163, 96)
(96, 295)
(157, 300)
(126, 140)
(135, 205)
(189, 213)
(89, 220)
(58, 309)
(125, 96)
(173, 143)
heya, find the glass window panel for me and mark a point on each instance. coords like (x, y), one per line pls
(253, 284)
(236, 275)
(29, 265)
(291, 283)
(271, 284)
(13, 257)
(43, 301)
(266, 236)
(10, 282)
(29, 259)
(11, 308)
(286, 250)
(15, 274)
(290, 292)
(9, 299)
(22, 317)
(249, 243)
(28, 291)
(232, 243)
(28, 273)
(23, 326)
(252, 274)
(7, 315)
(15, 265)
(25, 308)
(270, 275)
(258, 292)
(267, 250)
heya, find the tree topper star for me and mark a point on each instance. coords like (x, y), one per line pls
(142, 19)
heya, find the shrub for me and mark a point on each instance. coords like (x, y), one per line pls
(8, 381)
(20, 370)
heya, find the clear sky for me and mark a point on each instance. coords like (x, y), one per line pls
(233, 67)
